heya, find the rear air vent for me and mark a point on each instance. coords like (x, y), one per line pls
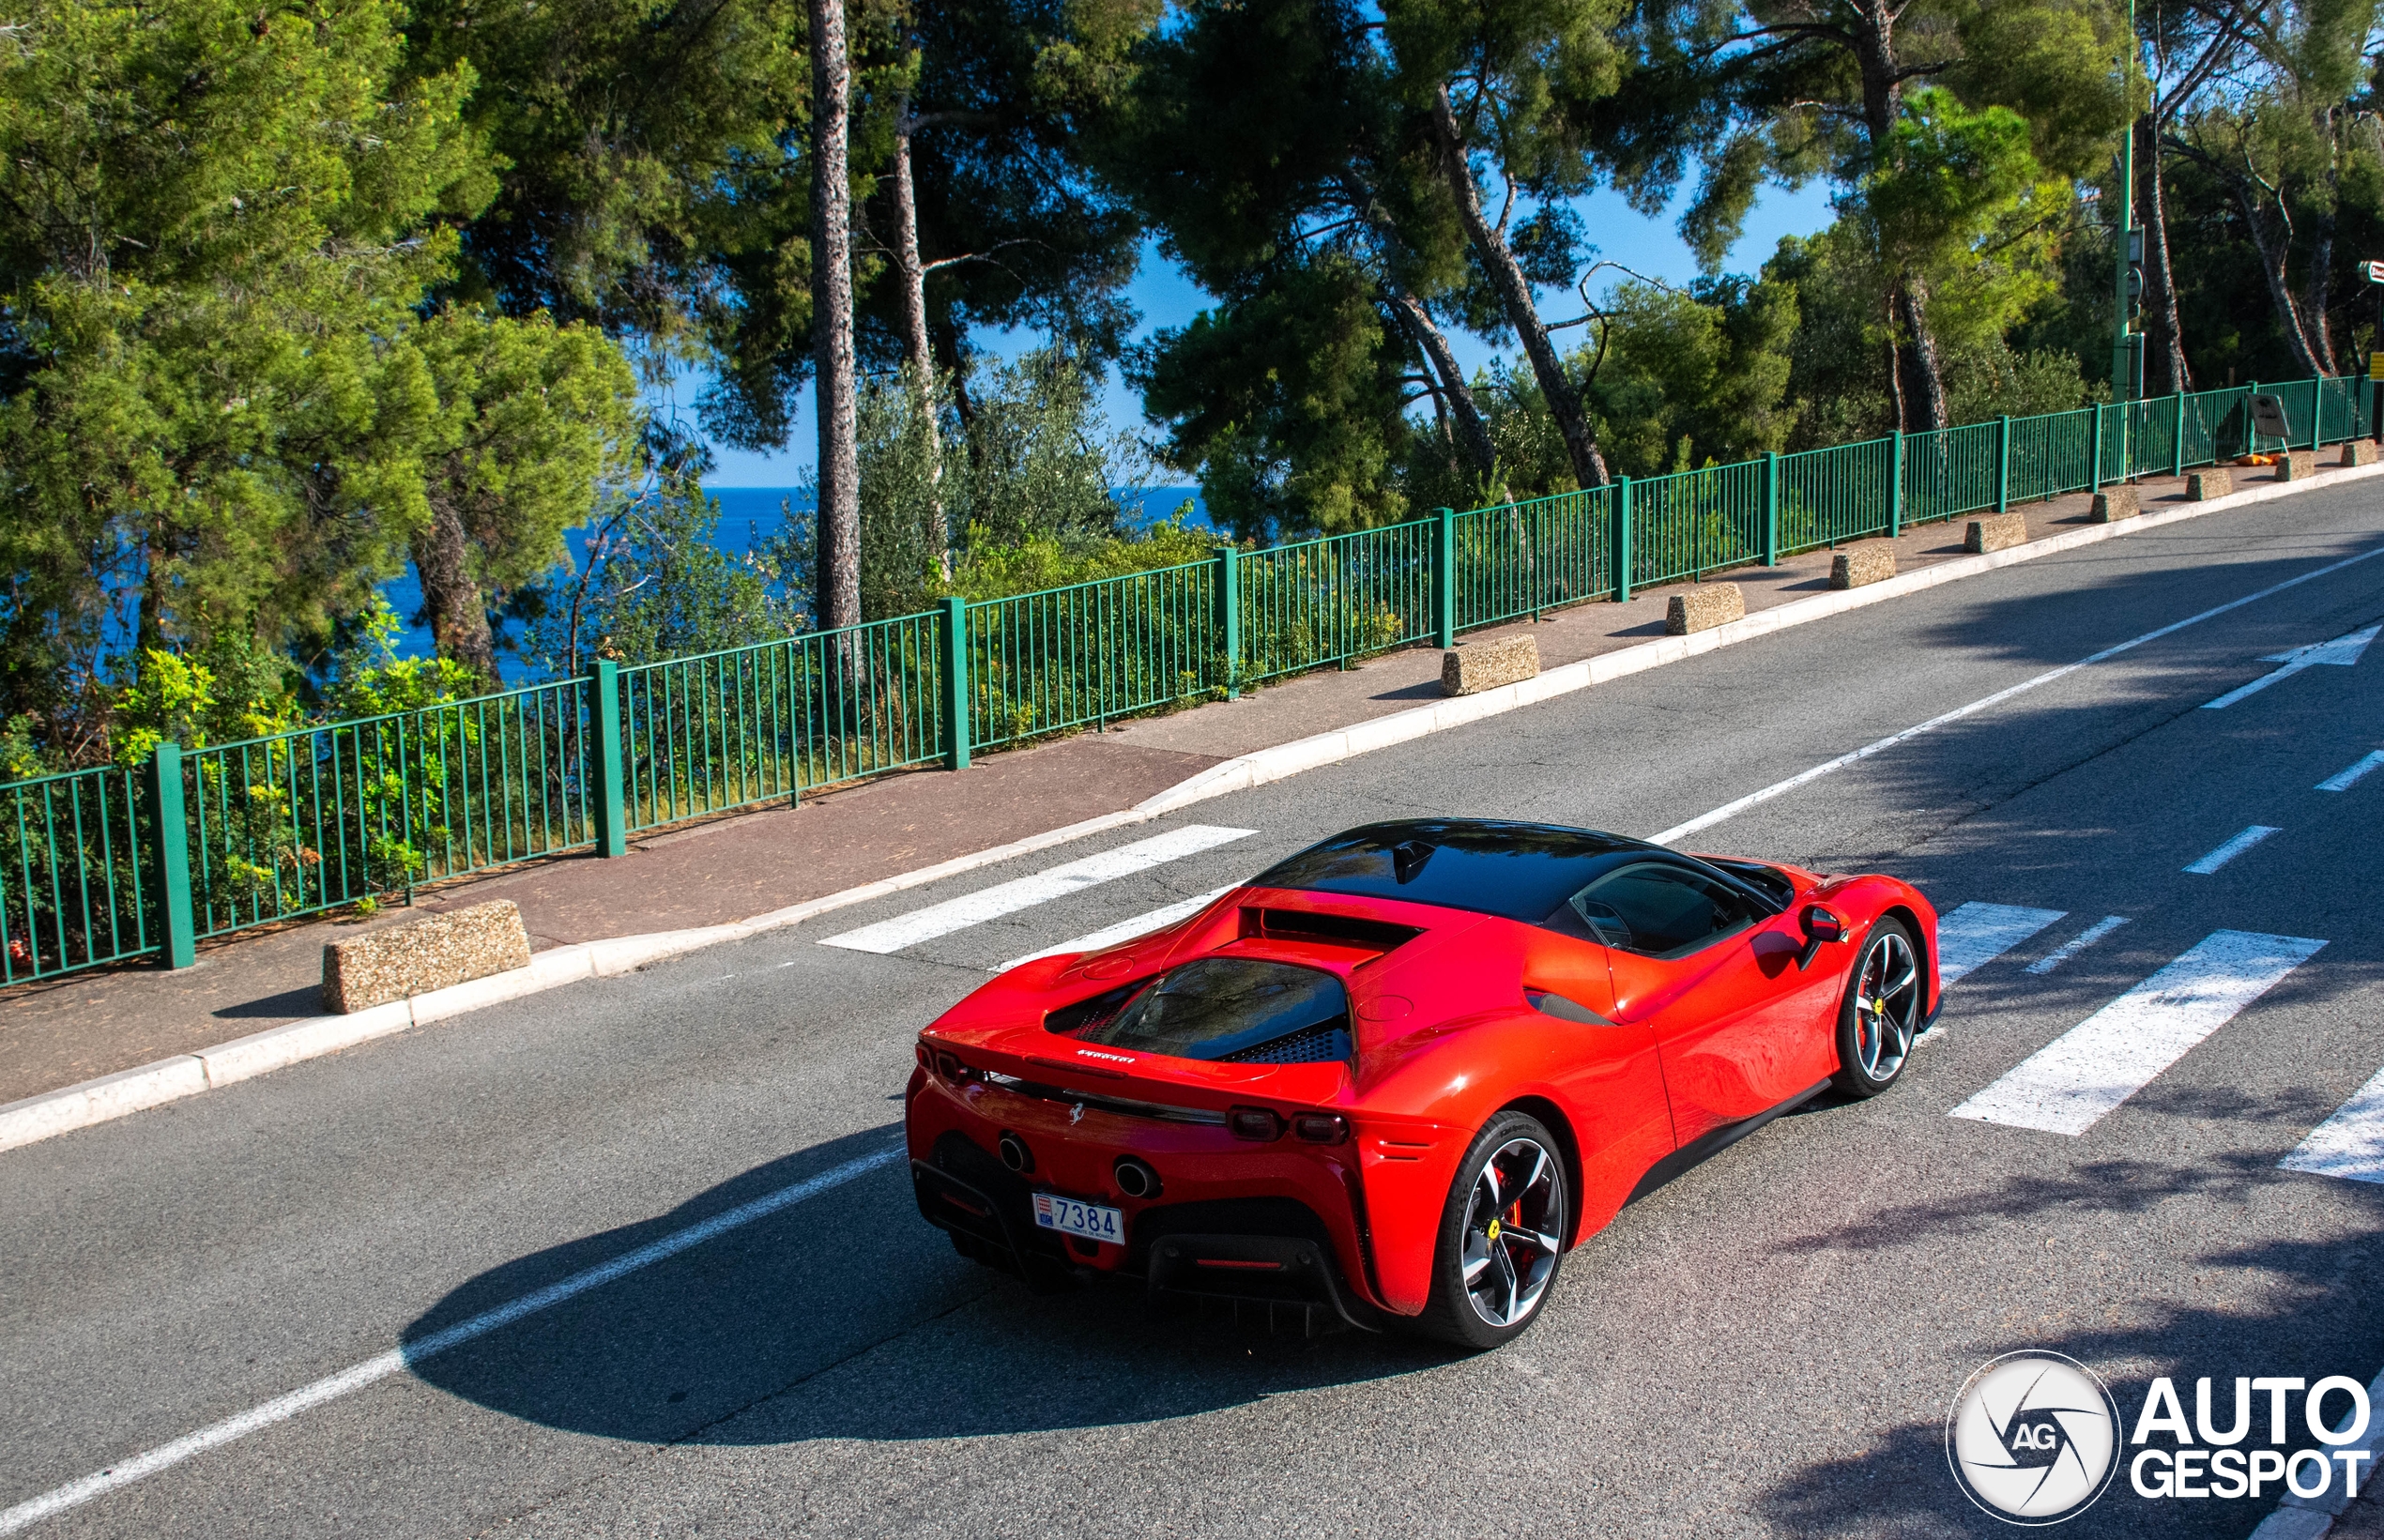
(1323, 1045)
(1339, 930)
(1090, 1015)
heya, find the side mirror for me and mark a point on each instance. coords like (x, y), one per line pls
(1820, 926)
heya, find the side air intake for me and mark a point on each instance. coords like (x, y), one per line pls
(1338, 930)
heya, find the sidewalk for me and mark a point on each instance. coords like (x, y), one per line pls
(61, 1031)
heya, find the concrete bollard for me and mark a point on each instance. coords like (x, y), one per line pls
(1472, 667)
(2359, 451)
(1871, 561)
(403, 961)
(2297, 465)
(2119, 502)
(1997, 532)
(2203, 485)
(1703, 607)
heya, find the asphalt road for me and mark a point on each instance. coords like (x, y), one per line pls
(1766, 1346)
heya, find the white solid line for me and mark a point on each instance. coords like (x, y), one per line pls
(2343, 651)
(975, 909)
(2068, 1085)
(1126, 930)
(1977, 934)
(2352, 776)
(2350, 1144)
(2231, 850)
(381, 1366)
(2077, 943)
(1779, 788)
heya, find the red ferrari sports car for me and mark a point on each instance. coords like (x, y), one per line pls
(1397, 1076)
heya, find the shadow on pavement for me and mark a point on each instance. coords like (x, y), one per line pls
(801, 1298)
(2322, 1318)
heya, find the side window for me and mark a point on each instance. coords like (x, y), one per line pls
(1659, 911)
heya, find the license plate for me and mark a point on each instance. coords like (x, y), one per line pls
(1070, 1217)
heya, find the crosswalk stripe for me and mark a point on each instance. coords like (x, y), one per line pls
(2232, 848)
(2067, 1086)
(2077, 943)
(2346, 780)
(2350, 1144)
(907, 930)
(1977, 934)
(1126, 930)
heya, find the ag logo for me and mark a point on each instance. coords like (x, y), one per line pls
(2033, 1437)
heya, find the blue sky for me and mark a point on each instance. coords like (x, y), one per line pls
(1167, 298)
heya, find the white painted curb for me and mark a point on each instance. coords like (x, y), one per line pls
(2311, 1518)
(56, 1112)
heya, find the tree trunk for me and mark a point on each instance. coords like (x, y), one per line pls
(1917, 375)
(2163, 339)
(1922, 381)
(918, 354)
(1515, 298)
(2272, 253)
(452, 595)
(1465, 417)
(837, 595)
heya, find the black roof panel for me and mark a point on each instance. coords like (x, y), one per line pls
(1518, 871)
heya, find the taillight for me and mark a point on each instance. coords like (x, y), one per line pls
(1321, 1127)
(926, 1060)
(1253, 1122)
(948, 1065)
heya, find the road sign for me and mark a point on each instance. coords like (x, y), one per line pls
(2372, 271)
(2267, 416)
(2376, 366)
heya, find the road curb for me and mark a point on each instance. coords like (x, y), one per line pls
(2311, 1518)
(113, 1096)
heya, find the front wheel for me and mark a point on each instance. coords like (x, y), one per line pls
(1502, 1236)
(1881, 1014)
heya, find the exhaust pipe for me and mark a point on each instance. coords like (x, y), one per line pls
(1015, 1153)
(1136, 1179)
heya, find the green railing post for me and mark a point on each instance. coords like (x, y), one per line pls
(612, 803)
(1444, 577)
(1620, 546)
(2176, 438)
(1228, 616)
(1771, 509)
(2094, 448)
(953, 635)
(170, 858)
(2003, 463)
(1895, 484)
(2251, 433)
(2318, 410)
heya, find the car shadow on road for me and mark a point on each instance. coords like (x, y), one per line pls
(854, 1304)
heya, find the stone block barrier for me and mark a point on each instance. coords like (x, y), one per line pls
(2204, 485)
(1475, 666)
(2296, 464)
(2115, 503)
(2361, 452)
(1995, 532)
(1872, 561)
(1703, 607)
(433, 952)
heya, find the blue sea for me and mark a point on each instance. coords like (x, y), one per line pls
(747, 514)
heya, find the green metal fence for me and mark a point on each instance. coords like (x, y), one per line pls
(101, 866)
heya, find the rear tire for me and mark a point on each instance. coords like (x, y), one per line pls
(1880, 1016)
(1501, 1236)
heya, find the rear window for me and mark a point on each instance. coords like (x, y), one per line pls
(1243, 1009)
(1518, 870)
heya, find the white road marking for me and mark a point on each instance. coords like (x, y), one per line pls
(2067, 1086)
(1126, 930)
(2343, 652)
(1779, 788)
(975, 909)
(2351, 777)
(2077, 943)
(2231, 850)
(2350, 1144)
(1977, 934)
(381, 1366)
